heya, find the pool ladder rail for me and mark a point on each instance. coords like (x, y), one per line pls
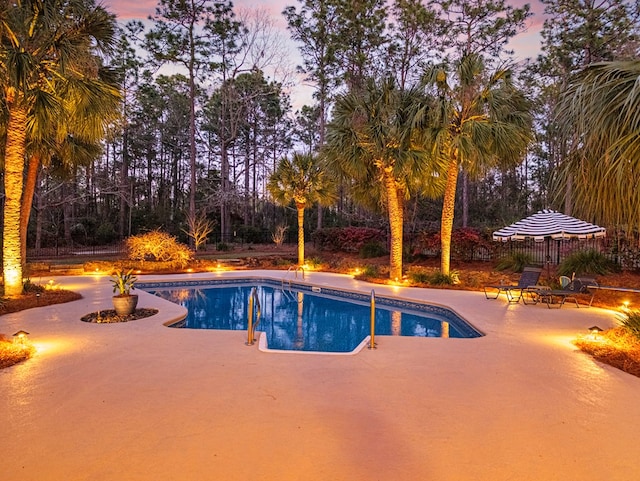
(372, 336)
(254, 301)
(295, 270)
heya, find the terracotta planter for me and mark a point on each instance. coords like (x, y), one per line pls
(125, 305)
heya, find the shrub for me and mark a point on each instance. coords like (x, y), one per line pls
(419, 277)
(278, 235)
(12, 353)
(630, 321)
(105, 233)
(222, 246)
(515, 262)
(158, 246)
(346, 239)
(199, 229)
(440, 279)
(408, 254)
(464, 243)
(370, 271)
(372, 249)
(586, 262)
(28, 287)
(313, 262)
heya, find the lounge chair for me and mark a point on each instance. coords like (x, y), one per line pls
(569, 292)
(514, 293)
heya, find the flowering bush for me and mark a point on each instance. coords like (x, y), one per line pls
(464, 242)
(346, 239)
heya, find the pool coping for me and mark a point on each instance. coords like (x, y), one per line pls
(518, 403)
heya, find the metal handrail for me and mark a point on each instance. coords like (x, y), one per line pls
(372, 337)
(251, 326)
(301, 269)
(295, 270)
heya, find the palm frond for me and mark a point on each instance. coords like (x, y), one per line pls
(599, 117)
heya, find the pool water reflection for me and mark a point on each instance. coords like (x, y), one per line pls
(304, 321)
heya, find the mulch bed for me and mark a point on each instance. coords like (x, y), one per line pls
(29, 300)
(109, 316)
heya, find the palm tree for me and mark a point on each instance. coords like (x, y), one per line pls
(480, 122)
(599, 114)
(376, 141)
(303, 180)
(50, 65)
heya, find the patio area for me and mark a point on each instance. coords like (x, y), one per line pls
(140, 401)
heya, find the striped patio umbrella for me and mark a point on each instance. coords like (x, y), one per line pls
(549, 224)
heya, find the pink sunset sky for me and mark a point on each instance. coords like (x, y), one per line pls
(526, 44)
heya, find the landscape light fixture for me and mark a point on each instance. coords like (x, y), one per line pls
(595, 332)
(20, 337)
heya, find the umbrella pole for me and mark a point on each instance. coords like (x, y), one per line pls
(548, 257)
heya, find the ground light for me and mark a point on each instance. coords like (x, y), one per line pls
(595, 331)
(20, 337)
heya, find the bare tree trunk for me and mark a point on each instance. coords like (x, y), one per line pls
(247, 183)
(465, 199)
(39, 221)
(67, 212)
(319, 225)
(123, 187)
(174, 183)
(31, 180)
(192, 139)
(225, 215)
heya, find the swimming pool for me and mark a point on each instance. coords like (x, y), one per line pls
(300, 317)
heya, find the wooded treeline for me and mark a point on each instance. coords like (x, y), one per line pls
(206, 113)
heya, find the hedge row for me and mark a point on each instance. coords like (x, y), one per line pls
(346, 239)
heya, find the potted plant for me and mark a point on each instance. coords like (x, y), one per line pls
(124, 302)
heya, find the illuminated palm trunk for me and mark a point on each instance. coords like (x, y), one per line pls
(446, 225)
(13, 182)
(300, 208)
(394, 206)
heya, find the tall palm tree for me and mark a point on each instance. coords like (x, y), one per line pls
(599, 114)
(481, 121)
(302, 180)
(376, 141)
(50, 63)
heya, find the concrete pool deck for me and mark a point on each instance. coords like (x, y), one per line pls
(140, 401)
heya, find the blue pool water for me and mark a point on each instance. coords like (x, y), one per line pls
(296, 318)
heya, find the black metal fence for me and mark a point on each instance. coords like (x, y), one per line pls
(216, 242)
(549, 251)
(57, 252)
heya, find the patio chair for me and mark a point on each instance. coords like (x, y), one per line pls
(569, 292)
(528, 280)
